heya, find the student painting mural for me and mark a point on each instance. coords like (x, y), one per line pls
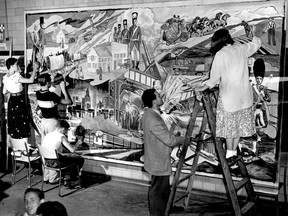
(109, 56)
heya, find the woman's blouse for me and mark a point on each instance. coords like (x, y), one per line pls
(12, 83)
(230, 70)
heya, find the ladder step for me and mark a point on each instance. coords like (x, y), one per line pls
(190, 157)
(247, 207)
(185, 178)
(181, 197)
(242, 183)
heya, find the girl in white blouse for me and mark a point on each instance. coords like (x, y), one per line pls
(18, 115)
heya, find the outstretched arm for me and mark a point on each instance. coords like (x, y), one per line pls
(32, 77)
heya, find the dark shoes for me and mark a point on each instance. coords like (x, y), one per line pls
(175, 209)
(73, 184)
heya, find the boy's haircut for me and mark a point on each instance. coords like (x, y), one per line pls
(80, 131)
(44, 79)
(37, 191)
(148, 96)
(10, 62)
(64, 124)
(52, 208)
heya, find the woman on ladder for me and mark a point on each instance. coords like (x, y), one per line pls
(235, 114)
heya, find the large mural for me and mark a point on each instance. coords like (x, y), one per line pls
(107, 58)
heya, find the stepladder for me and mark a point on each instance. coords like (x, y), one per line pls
(205, 107)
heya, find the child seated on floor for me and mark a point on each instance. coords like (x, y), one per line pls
(33, 197)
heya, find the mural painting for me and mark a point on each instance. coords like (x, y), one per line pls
(108, 57)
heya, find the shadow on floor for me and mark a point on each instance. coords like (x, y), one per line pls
(3, 187)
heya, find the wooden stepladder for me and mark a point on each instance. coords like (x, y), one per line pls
(231, 187)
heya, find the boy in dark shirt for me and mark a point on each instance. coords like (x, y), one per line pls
(47, 102)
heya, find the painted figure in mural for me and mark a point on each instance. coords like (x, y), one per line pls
(115, 38)
(157, 85)
(235, 113)
(57, 140)
(135, 41)
(271, 26)
(18, 115)
(42, 41)
(119, 33)
(47, 102)
(247, 28)
(158, 144)
(100, 73)
(35, 41)
(2, 33)
(125, 33)
(261, 98)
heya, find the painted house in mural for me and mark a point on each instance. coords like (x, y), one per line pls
(59, 36)
(107, 56)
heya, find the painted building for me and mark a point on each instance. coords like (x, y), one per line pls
(107, 56)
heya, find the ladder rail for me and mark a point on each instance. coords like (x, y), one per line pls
(228, 181)
(182, 157)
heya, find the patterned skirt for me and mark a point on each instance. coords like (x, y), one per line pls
(234, 124)
(18, 117)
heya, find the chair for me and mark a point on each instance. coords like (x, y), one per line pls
(48, 153)
(21, 153)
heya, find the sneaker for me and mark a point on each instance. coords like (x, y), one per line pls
(74, 184)
(235, 166)
(232, 160)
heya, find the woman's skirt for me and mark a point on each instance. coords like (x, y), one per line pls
(234, 124)
(18, 117)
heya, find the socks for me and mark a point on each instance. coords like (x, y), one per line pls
(230, 153)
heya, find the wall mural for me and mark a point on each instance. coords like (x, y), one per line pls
(108, 57)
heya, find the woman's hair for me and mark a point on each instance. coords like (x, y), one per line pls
(10, 62)
(52, 208)
(220, 39)
(44, 79)
(80, 131)
(148, 96)
(37, 191)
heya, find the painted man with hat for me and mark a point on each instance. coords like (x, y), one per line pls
(125, 33)
(135, 41)
(115, 38)
(260, 97)
(119, 33)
